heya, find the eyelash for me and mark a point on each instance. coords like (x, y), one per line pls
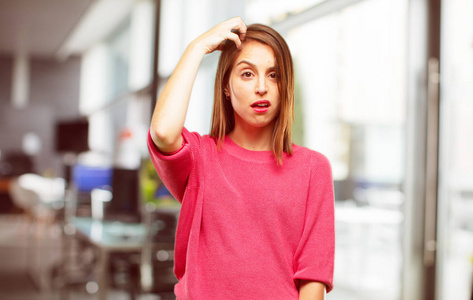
(248, 74)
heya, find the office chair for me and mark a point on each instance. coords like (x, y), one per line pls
(150, 272)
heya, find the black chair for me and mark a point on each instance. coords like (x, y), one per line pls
(151, 271)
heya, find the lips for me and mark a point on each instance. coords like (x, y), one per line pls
(261, 103)
(261, 106)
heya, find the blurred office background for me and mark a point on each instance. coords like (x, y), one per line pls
(384, 89)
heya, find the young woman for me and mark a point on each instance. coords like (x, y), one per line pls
(257, 215)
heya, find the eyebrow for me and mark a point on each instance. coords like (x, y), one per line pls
(272, 68)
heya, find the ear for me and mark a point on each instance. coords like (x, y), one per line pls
(225, 90)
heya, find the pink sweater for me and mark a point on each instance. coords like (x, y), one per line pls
(248, 228)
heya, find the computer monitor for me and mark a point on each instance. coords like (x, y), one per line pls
(125, 205)
(86, 178)
(72, 136)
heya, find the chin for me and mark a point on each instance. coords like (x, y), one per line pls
(262, 124)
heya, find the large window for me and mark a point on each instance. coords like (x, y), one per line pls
(115, 87)
(455, 226)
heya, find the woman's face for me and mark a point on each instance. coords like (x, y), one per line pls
(253, 86)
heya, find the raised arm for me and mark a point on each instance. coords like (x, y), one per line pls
(171, 108)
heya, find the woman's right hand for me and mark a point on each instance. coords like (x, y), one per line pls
(213, 39)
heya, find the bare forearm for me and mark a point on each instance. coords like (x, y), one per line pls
(311, 290)
(171, 108)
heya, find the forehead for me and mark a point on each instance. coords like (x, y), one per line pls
(256, 53)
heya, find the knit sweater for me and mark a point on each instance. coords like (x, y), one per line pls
(248, 228)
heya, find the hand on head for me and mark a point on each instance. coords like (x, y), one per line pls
(233, 29)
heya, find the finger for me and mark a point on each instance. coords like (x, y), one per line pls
(234, 29)
(235, 38)
(241, 35)
(239, 27)
(242, 30)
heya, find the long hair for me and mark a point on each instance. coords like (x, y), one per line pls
(223, 120)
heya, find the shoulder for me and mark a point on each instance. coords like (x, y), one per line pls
(193, 136)
(317, 161)
(197, 141)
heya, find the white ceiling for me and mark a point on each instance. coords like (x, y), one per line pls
(38, 27)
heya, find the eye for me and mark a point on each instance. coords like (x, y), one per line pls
(247, 74)
(273, 75)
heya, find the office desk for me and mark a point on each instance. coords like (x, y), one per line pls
(109, 237)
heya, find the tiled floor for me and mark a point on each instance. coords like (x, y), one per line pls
(18, 263)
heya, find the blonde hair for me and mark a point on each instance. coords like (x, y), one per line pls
(223, 120)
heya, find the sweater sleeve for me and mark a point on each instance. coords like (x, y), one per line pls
(315, 254)
(174, 168)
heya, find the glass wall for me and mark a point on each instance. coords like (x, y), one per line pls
(115, 88)
(455, 228)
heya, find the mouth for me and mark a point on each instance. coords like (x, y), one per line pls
(261, 104)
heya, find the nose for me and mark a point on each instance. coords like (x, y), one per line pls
(261, 87)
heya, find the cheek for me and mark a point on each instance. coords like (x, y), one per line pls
(275, 92)
(240, 90)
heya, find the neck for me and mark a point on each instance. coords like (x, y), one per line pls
(251, 138)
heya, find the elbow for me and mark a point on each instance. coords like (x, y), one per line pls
(164, 138)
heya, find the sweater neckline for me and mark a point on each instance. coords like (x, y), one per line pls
(250, 155)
